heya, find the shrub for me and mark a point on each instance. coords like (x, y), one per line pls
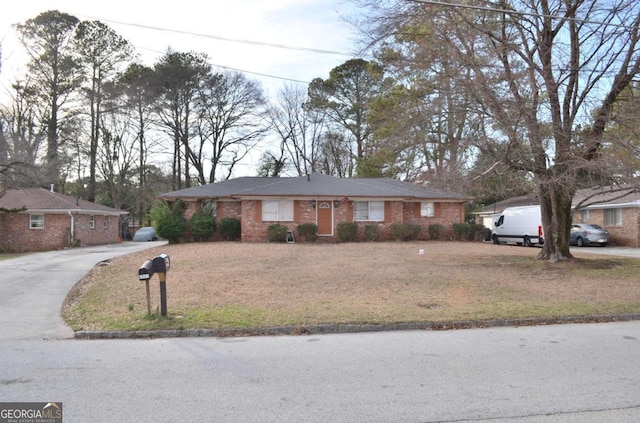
(436, 231)
(308, 231)
(371, 232)
(405, 231)
(202, 225)
(277, 232)
(168, 219)
(230, 228)
(461, 230)
(347, 231)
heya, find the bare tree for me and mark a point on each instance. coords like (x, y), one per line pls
(298, 127)
(232, 121)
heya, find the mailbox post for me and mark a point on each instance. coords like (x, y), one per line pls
(160, 265)
(144, 274)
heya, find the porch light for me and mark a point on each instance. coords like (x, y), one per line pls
(336, 203)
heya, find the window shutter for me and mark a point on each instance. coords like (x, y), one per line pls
(296, 210)
(438, 209)
(416, 209)
(387, 212)
(258, 207)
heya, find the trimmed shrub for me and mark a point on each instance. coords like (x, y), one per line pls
(308, 231)
(461, 231)
(347, 231)
(405, 231)
(202, 225)
(169, 221)
(230, 229)
(436, 231)
(277, 232)
(371, 232)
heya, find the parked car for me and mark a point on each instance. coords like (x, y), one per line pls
(588, 234)
(146, 233)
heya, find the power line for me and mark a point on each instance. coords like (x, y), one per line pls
(283, 78)
(520, 13)
(233, 40)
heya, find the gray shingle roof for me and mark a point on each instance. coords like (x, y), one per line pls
(42, 200)
(314, 185)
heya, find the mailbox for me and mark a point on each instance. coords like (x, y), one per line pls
(161, 263)
(146, 271)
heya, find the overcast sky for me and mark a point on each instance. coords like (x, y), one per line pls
(306, 24)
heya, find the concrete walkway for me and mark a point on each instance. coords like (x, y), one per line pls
(34, 286)
(609, 251)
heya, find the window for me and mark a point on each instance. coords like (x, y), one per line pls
(613, 217)
(585, 216)
(277, 210)
(427, 209)
(368, 210)
(105, 222)
(36, 221)
(92, 222)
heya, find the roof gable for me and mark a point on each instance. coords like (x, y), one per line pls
(313, 185)
(39, 199)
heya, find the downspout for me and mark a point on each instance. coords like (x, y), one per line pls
(73, 226)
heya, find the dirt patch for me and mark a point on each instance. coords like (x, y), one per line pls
(238, 284)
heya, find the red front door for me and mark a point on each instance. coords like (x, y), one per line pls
(325, 218)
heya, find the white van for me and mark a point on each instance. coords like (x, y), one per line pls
(519, 225)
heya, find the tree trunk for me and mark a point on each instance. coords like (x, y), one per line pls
(555, 208)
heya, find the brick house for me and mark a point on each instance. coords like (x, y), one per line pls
(52, 221)
(617, 209)
(322, 200)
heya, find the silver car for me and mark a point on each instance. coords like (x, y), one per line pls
(588, 234)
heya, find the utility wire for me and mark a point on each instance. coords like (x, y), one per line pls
(517, 12)
(283, 78)
(233, 40)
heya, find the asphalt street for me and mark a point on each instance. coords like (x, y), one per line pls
(583, 373)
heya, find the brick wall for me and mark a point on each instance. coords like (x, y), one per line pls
(255, 230)
(19, 237)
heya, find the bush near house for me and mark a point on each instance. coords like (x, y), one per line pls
(277, 233)
(372, 232)
(308, 231)
(230, 229)
(202, 225)
(347, 231)
(169, 221)
(405, 231)
(436, 231)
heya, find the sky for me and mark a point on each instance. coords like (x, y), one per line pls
(238, 35)
(225, 30)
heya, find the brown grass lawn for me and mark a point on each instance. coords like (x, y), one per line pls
(238, 285)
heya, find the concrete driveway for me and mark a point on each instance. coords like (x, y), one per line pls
(34, 286)
(609, 251)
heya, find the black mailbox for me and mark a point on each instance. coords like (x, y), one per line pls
(161, 263)
(146, 271)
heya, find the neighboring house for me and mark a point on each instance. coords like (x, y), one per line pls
(616, 209)
(52, 221)
(322, 200)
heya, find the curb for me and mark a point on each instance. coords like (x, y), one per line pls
(349, 328)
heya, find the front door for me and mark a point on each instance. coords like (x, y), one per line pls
(325, 218)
